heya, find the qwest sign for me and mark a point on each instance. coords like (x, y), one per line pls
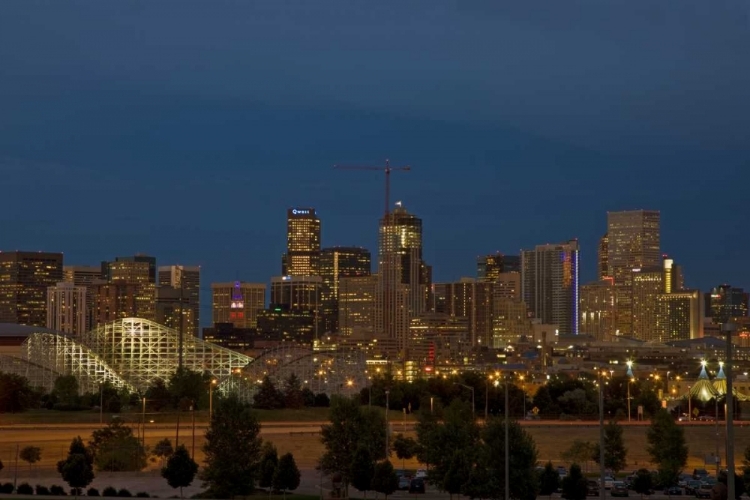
(300, 211)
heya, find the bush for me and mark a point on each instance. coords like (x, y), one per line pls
(42, 490)
(57, 490)
(109, 492)
(92, 492)
(124, 493)
(6, 488)
(25, 489)
(322, 400)
(142, 494)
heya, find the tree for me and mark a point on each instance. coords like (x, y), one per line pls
(666, 446)
(268, 397)
(372, 431)
(158, 395)
(615, 452)
(580, 452)
(341, 438)
(293, 393)
(115, 448)
(363, 468)
(643, 482)
(384, 479)
(77, 469)
(574, 485)
(458, 474)
(269, 460)
(180, 469)
(523, 459)
(549, 480)
(308, 397)
(739, 484)
(232, 449)
(65, 390)
(163, 449)
(17, 395)
(405, 448)
(31, 454)
(287, 474)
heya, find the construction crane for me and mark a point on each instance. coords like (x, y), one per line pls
(387, 169)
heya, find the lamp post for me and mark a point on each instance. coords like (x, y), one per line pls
(387, 448)
(211, 400)
(143, 421)
(507, 443)
(630, 379)
(728, 328)
(473, 412)
(523, 390)
(602, 490)
(486, 396)
(101, 402)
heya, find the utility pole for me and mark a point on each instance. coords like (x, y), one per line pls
(387, 448)
(507, 442)
(602, 490)
(728, 327)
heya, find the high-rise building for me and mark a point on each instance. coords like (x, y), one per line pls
(337, 263)
(356, 305)
(139, 268)
(633, 243)
(647, 285)
(302, 256)
(174, 311)
(549, 284)
(489, 267)
(66, 308)
(298, 293)
(679, 316)
(472, 300)
(186, 283)
(24, 279)
(135, 278)
(404, 279)
(603, 254)
(238, 303)
(113, 301)
(508, 286)
(597, 309)
(510, 322)
(230, 337)
(85, 276)
(724, 302)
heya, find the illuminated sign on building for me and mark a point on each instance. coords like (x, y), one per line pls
(300, 211)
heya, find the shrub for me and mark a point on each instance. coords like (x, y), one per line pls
(25, 489)
(124, 493)
(109, 492)
(92, 492)
(42, 490)
(6, 488)
(57, 490)
(142, 494)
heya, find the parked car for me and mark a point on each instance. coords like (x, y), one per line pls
(592, 488)
(619, 489)
(421, 473)
(691, 486)
(404, 482)
(673, 490)
(700, 474)
(683, 480)
(416, 485)
(609, 482)
(704, 491)
(562, 471)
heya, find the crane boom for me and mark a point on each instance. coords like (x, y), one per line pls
(387, 169)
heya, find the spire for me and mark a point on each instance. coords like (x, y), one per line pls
(703, 374)
(720, 375)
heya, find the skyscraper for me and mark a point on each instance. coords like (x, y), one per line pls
(603, 254)
(186, 283)
(302, 256)
(135, 278)
(66, 308)
(404, 279)
(679, 316)
(489, 267)
(337, 263)
(356, 305)
(471, 300)
(549, 284)
(633, 243)
(24, 279)
(597, 309)
(86, 276)
(238, 303)
(647, 285)
(725, 302)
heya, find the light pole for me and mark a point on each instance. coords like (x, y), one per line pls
(728, 328)
(487, 396)
(523, 389)
(473, 412)
(143, 420)
(630, 379)
(101, 402)
(507, 442)
(602, 490)
(211, 400)
(387, 393)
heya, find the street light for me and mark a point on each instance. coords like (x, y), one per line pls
(523, 389)
(472, 397)
(387, 449)
(602, 490)
(630, 379)
(486, 396)
(211, 400)
(101, 402)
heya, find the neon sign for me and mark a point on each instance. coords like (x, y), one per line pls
(300, 211)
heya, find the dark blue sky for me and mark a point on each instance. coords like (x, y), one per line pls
(185, 129)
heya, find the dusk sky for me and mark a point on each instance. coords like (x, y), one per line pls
(185, 129)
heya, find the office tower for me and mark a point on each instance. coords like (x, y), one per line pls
(114, 301)
(185, 282)
(238, 303)
(295, 326)
(549, 284)
(633, 243)
(301, 293)
(230, 337)
(724, 302)
(356, 305)
(174, 311)
(647, 285)
(404, 282)
(435, 339)
(337, 263)
(507, 286)
(82, 275)
(597, 309)
(510, 322)
(66, 308)
(139, 268)
(489, 267)
(472, 300)
(302, 256)
(679, 316)
(603, 254)
(134, 276)
(24, 279)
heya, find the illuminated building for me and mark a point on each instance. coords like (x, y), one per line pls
(647, 285)
(133, 287)
(82, 275)
(66, 308)
(230, 337)
(549, 284)
(302, 256)
(603, 254)
(471, 300)
(281, 324)
(437, 339)
(633, 243)
(301, 293)
(597, 309)
(185, 281)
(510, 322)
(139, 268)
(507, 286)
(24, 279)
(404, 279)
(489, 267)
(173, 310)
(337, 263)
(356, 306)
(724, 303)
(238, 303)
(679, 316)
